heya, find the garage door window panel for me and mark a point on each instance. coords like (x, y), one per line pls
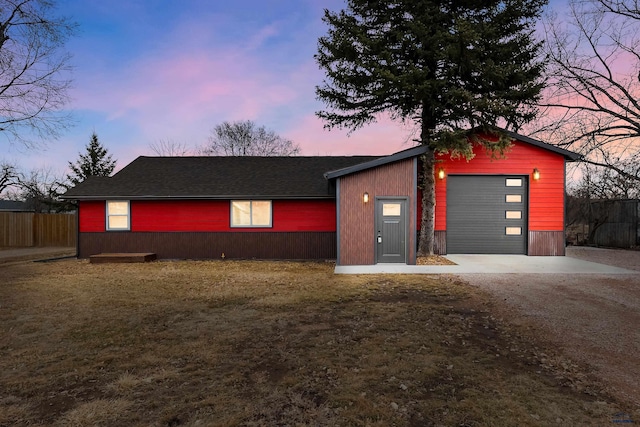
(513, 231)
(513, 215)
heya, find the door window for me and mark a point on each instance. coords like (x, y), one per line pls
(391, 209)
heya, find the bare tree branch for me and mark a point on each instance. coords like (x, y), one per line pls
(245, 138)
(42, 188)
(170, 148)
(8, 175)
(594, 61)
(630, 9)
(34, 71)
(592, 104)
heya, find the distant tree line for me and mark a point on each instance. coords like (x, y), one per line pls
(41, 188)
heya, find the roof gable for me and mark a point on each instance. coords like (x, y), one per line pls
(401, 155)
(421, 149)
(568, 155)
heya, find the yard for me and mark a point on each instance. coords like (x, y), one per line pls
(261, 343)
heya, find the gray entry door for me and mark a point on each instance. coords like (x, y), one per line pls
(487, 214)
(391, 231)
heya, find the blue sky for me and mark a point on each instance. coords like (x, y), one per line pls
(154, 69)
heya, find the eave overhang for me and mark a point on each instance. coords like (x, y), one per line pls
(402, 155)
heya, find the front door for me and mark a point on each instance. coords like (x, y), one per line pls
(391, 231)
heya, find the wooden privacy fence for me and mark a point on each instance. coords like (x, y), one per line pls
(24, 229)
(615, 223)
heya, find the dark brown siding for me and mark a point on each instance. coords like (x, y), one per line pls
(440, 242)
(187, 245)
(546, 243)
(357, 218)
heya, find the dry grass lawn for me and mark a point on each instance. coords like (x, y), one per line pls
(271, 344)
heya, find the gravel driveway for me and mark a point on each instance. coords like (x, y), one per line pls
(595, 318)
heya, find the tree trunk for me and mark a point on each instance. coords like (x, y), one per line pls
(427, 222)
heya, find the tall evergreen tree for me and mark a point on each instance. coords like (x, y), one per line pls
(95, 162)
(458, 69)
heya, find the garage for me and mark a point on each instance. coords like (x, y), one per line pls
(487, 214)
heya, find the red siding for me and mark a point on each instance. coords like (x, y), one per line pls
(91, 216)
(180, 215)
(546, 196)
(292, 215)
(212, 215)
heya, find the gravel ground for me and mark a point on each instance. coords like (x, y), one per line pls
(594, 318)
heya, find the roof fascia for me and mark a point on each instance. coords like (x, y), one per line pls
(401, 155)
(216, 197)
(569, 155)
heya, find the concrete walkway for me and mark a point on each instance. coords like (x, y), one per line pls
(492, 264)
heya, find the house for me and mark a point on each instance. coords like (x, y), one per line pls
(15, 206)
(360, 210)
(203, 207)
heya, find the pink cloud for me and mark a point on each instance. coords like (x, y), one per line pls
(170, 92)
(380, 138)
(182, 90)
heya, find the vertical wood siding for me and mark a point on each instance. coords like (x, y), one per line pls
(357, 218)
(211, 215)
(546, 195)
(211, 245)
(546, 243)
(440, 242)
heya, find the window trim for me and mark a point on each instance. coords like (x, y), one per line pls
(127, 215)
(251, 201)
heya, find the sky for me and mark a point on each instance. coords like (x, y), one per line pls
(151, 70)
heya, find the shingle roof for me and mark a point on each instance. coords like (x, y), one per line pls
(218, 177)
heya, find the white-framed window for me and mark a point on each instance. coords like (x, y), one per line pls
(118, 215)
(251, 213)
